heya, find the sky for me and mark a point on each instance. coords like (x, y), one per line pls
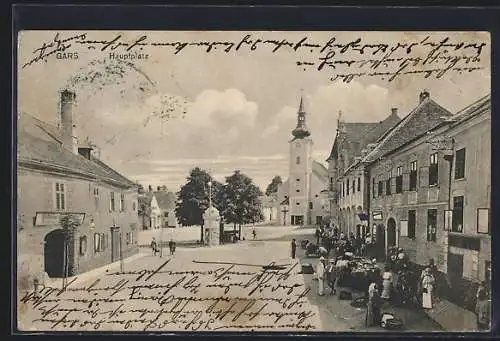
(221, 111)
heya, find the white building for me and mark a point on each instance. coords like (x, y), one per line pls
(302, 196)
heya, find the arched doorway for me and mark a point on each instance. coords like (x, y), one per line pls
(391, 233)
(54, 253)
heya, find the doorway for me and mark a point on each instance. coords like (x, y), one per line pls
(297, 219)
(380, 241)
(391, 233)
(57, 261)
(115, 244)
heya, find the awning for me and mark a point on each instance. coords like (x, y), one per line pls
(363, 216)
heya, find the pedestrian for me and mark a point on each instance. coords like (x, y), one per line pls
(427, 289)
(171, 246)
(320, 274)
(254, 233)
(331, 276)
(154, 247)
(386, 283)
(373, 306)
(294, 248)
(318, 234)
(482, 307)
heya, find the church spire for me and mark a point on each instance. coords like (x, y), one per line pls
(301, 130)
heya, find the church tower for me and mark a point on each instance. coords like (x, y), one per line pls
(300, 170)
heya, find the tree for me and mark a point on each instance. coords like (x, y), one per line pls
(273, 186)
(239, 200)
(69, 224)
(192, 199)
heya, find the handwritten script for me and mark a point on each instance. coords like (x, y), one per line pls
(340, 60)
(229, 297)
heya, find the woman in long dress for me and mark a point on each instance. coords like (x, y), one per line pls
(373, 306)
(427, 289)
(386, 283)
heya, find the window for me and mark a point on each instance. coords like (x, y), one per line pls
(96, 195)
(359, 184)
(299, 179)
(433, 170)
(112, 201)
(460, 164)
(331, 183)
(399, 180)
(431, 225)
(122, 202)
(297, 160)
(343, 191)
(60, 196)
(298, 204)
(99, 243)
(310, 205)
(412, 221)
(165, 214)
(413, 176)
(380, 188)
(83, 245)
(347, 187)
(133, 206)
(354, 186)
(297, 190)
(130, 238)
(458, 214)
(388, 185)
(374, 189)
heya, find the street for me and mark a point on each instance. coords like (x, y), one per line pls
(222, 288)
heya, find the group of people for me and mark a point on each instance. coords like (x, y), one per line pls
(155, 249)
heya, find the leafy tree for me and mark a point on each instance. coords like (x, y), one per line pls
(273, 186)
(239, 200)
(192, 199)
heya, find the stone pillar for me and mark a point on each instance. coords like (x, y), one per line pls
(211, 225)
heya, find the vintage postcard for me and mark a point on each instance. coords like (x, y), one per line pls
(275, 181)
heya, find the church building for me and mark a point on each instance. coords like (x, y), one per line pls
(303, 196)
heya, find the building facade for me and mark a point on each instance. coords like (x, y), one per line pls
(409, 190)
(301, 196)
(348, 177)
(56, 177)
(468, 230)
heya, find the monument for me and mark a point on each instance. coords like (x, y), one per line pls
(211, 219)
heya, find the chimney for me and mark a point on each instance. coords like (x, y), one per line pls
(424, 95)
(394, 111)
(67, 124)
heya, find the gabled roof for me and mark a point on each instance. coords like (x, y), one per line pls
(426, 116)
(39, 145)
(358, 135)
(166, 200)
(320, 171)
(472, 110)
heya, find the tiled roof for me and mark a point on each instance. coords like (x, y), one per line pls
(39, 144)
(358, 135)
(484, 103)
(320, 171)
(426, 116)
(166, 200)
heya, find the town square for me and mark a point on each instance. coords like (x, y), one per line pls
(250, 193)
